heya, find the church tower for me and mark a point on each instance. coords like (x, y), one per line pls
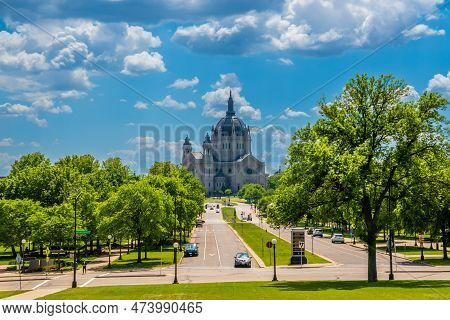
(208, 164)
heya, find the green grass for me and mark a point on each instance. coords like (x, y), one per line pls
(227, 213)
(6, 294)
(282, 290)
(435, 261)
(7, 259)
(257, 238)
(411, 250)
(129, 260)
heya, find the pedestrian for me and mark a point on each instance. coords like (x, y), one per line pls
(84, 266)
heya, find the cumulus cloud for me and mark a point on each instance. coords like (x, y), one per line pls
(289, 113)
(6, 160)
(169, 102)
(143, 62)
(422, 30)
(184, 83)
(411, 95)
(40, 71)
(440, 83)
(141, 105)
(215, 101)
(311, 27)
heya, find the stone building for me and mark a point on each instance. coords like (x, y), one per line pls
(226, 161)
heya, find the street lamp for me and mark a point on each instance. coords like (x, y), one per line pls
(391, 237)
(74, 282)
(22, 243)
(274, 243)
(109, 252)
(175, 249)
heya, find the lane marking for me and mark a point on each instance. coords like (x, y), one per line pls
(217, 245)
(204, 249)
(87, 282)
(40, 284)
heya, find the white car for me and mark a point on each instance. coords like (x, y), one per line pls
(318, 233)
(337, 238)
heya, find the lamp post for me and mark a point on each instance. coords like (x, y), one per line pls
(175, 250)
(21, 263)
(109, 251)
(274, 242)
(74, 282)
(391, 237)
(421, 238)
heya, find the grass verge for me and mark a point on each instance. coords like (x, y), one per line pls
(6, 294)
(154, 259)
(414, 251)
(282, 290)
(437, 261)
(257, 238)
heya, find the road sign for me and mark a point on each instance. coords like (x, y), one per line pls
(269, 244)
(301, 245)
(83, 232)
(47, 254)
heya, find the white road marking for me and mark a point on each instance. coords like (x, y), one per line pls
(87, 282)
(40, 284)
(217, 245)
(204, 249)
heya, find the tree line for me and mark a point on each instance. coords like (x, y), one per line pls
(374, 161)
(37, 202)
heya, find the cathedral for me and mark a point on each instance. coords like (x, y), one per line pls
(226, 161)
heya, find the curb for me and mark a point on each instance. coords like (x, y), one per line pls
(253, 254)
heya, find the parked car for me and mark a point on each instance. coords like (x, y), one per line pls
(310, 231)
(191, 249)
(217, 211)
(318, 233)
(242, 259)
(249, 217)
(337, 238)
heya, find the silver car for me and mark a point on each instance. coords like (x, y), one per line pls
(318, 233)
(242, 259)
(337, 238)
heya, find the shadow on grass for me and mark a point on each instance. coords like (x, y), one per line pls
(355, 285)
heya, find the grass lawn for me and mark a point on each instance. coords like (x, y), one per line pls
(411, 250)
(129, 260)
(282, 290)
(6, 294)
(435, 261)
(7, 259)
(257, 238)
(227, 213)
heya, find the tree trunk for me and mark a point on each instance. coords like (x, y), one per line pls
(99, 249)
(91, 244)
(145, 247)
(371, 240)
(139, 259)
(120, 249)
(384, 234)
(41, 250)
(444, 243)
(13, 251)
(128, 249)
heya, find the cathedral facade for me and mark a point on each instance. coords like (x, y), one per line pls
(226, 161)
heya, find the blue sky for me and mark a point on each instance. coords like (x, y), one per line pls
(130, 78)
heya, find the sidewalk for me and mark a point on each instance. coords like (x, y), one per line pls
(34, 294)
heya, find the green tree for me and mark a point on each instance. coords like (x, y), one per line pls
(364, 145)
(252, 192)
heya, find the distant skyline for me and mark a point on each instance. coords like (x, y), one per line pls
(79, 77)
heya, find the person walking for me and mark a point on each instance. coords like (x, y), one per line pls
(84, 266)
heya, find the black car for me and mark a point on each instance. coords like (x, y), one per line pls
(191, 250)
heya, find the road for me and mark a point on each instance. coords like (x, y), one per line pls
(217, 243)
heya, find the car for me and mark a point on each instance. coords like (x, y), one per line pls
(242, 259)
(310, 231)
(217, 211)
(337, 238)
(249, 218)
(199, 225)
(190, 250)
(318, 233)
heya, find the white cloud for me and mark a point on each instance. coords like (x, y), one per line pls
(286, 61)
(35, 144)
(141, 105)
(184, 83)
(215, 101)
(6, 142)
(411, 96)
(17, 110)
(289, 113)
(169, 102)
(440, 83)
(312, 27)
(6, 160)
(143, 62)
(422, 30)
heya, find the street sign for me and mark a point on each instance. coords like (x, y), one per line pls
(269, 244)
(301, 245)
(83, 232)
(47, 254)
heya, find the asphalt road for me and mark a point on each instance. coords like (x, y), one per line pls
(217, 244)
